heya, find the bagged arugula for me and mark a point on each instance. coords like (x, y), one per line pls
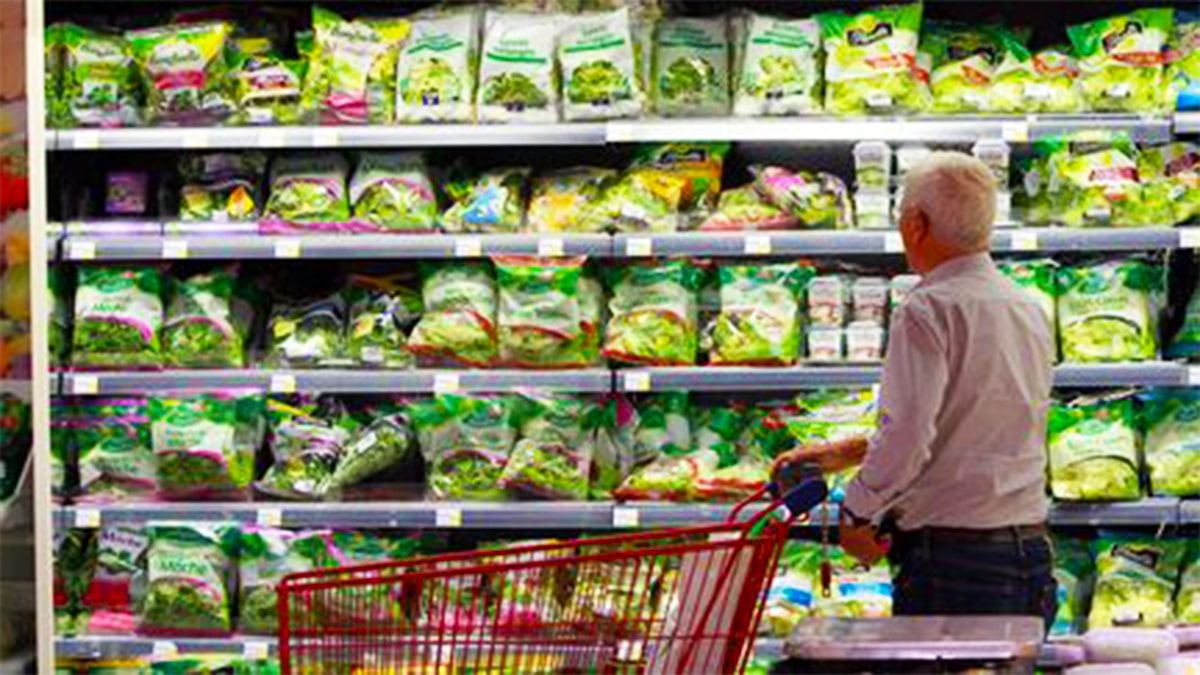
(691, 67)
(965, 59)
(221, 186)
(1121, 60)
(308, 189)
(669, 467)
(1038, 278)
(185, 72)
(1171, 423)
(1135, 581)
(1108, 312)
(779, 67)
(1174, 171)
(815, 199)
(495, 203)
(199, 331)
(307, 442)
(436, 72)
(377, 447)
(740, 209)
(350, 72)
(568, 200)
(760, 318)
(118, 317)
(97, 79)
(187, 582)
(540, 322)
(381, 309)
(307, 332)
(266, 86)
(1093, 450)
(1183, 62)
(553, 457)
(654, 318)
(392, 190)
(517, 79)
(466, 442)
(459, 322)
(204, 445)
(1034, 82)
(113, 445)
(870, 59)
(265, 556)
(600, 78)
(119, 552)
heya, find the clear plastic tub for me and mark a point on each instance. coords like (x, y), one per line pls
(872, 210)
(826, 345)
(907, 156)
(872, 166)
(869, 300)
(995, 153)
(827, 301)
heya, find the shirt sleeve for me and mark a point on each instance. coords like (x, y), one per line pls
(915, 374)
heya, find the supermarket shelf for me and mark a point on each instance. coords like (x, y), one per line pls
(1062, 239)
(1148, 511)
(812, 242)
(1149, 374)
(1187, 122)
(431, 135)
(1189, 511)
(115, 647)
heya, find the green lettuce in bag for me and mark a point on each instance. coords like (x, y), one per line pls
(1073, 569)
(540, 322)
(869, 61)
(308, 189)
(742, 467)
(1183, 65)
(553, 457)
(779, 67)
(459, 321)
(392, 190)
(221, 186)
(436, 72)
(381, 309)
(1135, 581)
(1039, 280)
(307, 332)
(1174, 169)
(663, 445)
(1171, 423)
(1034, 82)
(308, 440)
(204, 445)
(760, 317)
(1108, 312)
(98, 81)
(113, 444)
(495, 203)
(600, 78)
(1093, 450)
(200, 330)
(267, 87)
(384, 443)
(185, 71)
(187, 582)
(1121, 60)
(815, 199)
(1186, 343)
(466, 442)
(348, 76)
(964, 64)
(1187, 601)
(118, 318)
(265, 556)
(517, 79)
(568, 200)
(691, 67)
(654, 314)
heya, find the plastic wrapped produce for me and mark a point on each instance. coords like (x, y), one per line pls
(743, 467)
(466, 442)
(869, 59)
(1183, 66)
(539, 318)
(1038, 279)
(1187, 601)
(516, 70)
(99, 82)
(118, 318)
(817, 200)
(392, 191)
(379, 446)
(743, 208)
(872, 165)
(1099, 186)
(568, 200)
(600, 77)
(494, 203)
(828, 300)
(204, 445)
(1040, 81)
(661, 165)
(1093, 450)
(436, 72)
(119, 551)
(654, 317)
(350, 72)
(221, 187)
(267, 87)
(459, 322)
(792, 593)
(265, 556)
(553, 457)
(760, 317)
(187, 591)
(854, 592)
(1186, 343)
(200, 330)
(308, 189)
(1073, 571)
(779, 68)
(381, 309)
(113, 447)
(1108, 311)
(185, 72)
(307, 439)
(307, 332)
(1175, 169)
(691, 67)
(1135, 581)
(59, 324)
(865, 341)
(1121, 60)
(964, 62)
(664, 438)
(1171, 423)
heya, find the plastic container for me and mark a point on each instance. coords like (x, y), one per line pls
(826, 345)
(827, 301)
(865, 341)
(869, 300)
(907, 157)
(995, 154)
(872, 210)
(872, 166)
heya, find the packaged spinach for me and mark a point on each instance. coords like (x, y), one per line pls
(205, 444)
(760, 317)
(392, 191)
(540, 323)
(309, 189)
(654, 314)
(1135, 580)
(382, 308)
(644, 199)
(1121, 60)
(348, 69)
(200, 331)
(187, 582)
(1170, 420)
(567, 200)
(185, 72)
(435, 78)
(459, 321)
(265, 555)
(307, 439)
(869, 60)
(266, 86)
(600, 78)
(377, 447)
(495, 203)
(517, 77)
(309, 332)
(221, 186)
(466, 442)
(113, 444)
(118, 318)
(779, 67)
(120, 551)
(1108, 312)
(97, 80)
(691, 67)
(1093, 450)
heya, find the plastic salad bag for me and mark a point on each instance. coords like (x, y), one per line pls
(790, 597)
(1135, 581)
(307, 439)
(744, 208)
(1186, 343)
(1073, 569)
(200, 331)
(1171, 423)
(691, 67)
(309, 189)
(517, 79)
(668, 467)
(815, 199)
(1175, 169)
(600, 77)
(592, 313)
(63, 456)
(187, 582)
(494, 203)
(760, 318)
(1187, 601)
(613, 454)
(1183, 64)
(553, 457)
(1039, 280)
(266, 86)
(568, 200)
(119, 557)
(382, 308)
(1108, 312)
(779, 67)
(392, 191)
(382, 444)
(221, 186)
(1099, 185)
(1035, 82)
(350, 71)
(59, 324)
(645, 199)
(118, 318)
(99, 83)
(1093, 450)
(205, 444)
(436, 71)
(653, 310)
(870, 59)
(1121, 60)
(699, 165)
(964, 63)
(113, 445)
(307, 332)
(741, 468)
(855, 592)
(466, 442)
(265, 556)
(459, 322)
(185, 71)
(540, 323)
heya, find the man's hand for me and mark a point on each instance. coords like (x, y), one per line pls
(829, 457)
(861, 540)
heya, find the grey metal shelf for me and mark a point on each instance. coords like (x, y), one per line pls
(1187, 122)
(1155, 511)
(116, 647)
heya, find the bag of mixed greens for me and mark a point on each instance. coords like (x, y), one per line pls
(63, 454)
(779, 67)
(643, 200)
(266, 86)
(1038, 279)
(1171, 423)
(1186, 343)
(436, 73)
(97, 79)
(1187, 601)
(307, 441)
(741, 468)
(1121, 60)
(1093, 450)
(826, 416)
(600, 78)
(74, 563)
(691, 67)
(1034, 82)
(592, 316)
(392, 190)
(613, 453)
(1100, 186)
(204, 445)
(495, 203)
(669, 464)
(119, 557)
(348, 78)
(1135, 581)
(459, 322)
(1183, 62)
(568, 200)
(1174, 169)
(553, 457)
(185, 72)
(540, 324)
(113, 444)
(1073, 571)
(965, 59)
(381, 309)
(59, 324)
(790, 597)
(700, 165)
(869, 61)
(118, 317)
(1108, 312)
(816, 200)
(466, 442)
(759, 323)
(187, 577)
(307, 332)
(200, 331)
(377, 447)
(516, 69)
(221, 186)
(308, 189)
(743, 208)
(653, 311)
(53, 63)
(265, 556)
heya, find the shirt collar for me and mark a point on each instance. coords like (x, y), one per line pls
(959, 266)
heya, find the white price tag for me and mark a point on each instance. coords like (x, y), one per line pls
(639, 247)
(196, 139)
(270, 518)
(271, 138)
(1189, 237)
(85, 385)
(287, 248)
(1192, 376)
(1015, 132)
(892, 243)
(446, 383)
(325, 137)
(81, 249)
(637, 381)
(175, 249)
(164, 650)
(256, 650)
(447, 516)
(86, 139)
(624, 517)
(175, 227)
(1024, 240)
(758, 244)
(550, 247)
(87, 518)
(283, 384)
(468, 247)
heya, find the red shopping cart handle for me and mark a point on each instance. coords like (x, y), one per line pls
(800, 489)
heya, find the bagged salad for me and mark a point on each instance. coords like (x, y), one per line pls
(1171, 423)
(613, 453)
(264, 556)
(540, 322)
(741, 466)
(307, 332)
(98, 81)
(815, 199)
(382, 309)
(1093, 450)
(1099, 185)
(1040, 81)
(459, 321)
(669, 467)
(494, 203)
(466, 442)
(552, 458)
(698, 165)
(1121, 60)
(1183, 62)
(517, 77)
(119, 554)
(350, 75)
(58, 283)
(392, 191)
(654, 320)
(760, 317)
(200, 330)
(1108, 312)
(435, 77)
(185, 72)
(1073, 573)
(308, 189)
(307, 438)
(1038, 278)
(113, 447)
(568, 200)
(205, 444)
(186, 589)
(1135, 581)
(870, 61)
(118, 318)
(1187, 601)
(385, 442)
(221, 186)
(779, 66)
(744, 208)
(266, 86)
(1174, 172)
(1186, 343)
(691, 67)
(600, 76)
(964, 60)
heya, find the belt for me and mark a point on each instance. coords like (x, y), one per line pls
(999, 535)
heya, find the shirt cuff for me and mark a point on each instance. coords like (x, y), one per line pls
(862, 501)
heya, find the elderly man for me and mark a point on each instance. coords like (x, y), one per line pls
(956, 467)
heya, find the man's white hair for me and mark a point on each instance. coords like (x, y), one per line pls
(957, 194)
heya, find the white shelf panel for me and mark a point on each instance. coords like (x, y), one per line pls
(115, 647)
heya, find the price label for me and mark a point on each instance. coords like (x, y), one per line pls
(1015, 132)
(758, 244)
(892, 243)
(87, 518)
(1189, 237)
(325, 137)
(86, 139)
(256, 650)
(164, 650)
(448, 517)
(639, 247)
(283, 384)
(196, 139)
(637, 381)
(625, 517)
(271, 138)
(1024, 240)
(1192, 376)
(175, 249)
(287, 248)
(468, 247)
(81, 249)
(85, 385)
(550, 247)
(446, 383)
(270, 518)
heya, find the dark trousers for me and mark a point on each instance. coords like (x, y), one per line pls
(948, 572)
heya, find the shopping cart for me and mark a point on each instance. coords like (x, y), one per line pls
(672, 601)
